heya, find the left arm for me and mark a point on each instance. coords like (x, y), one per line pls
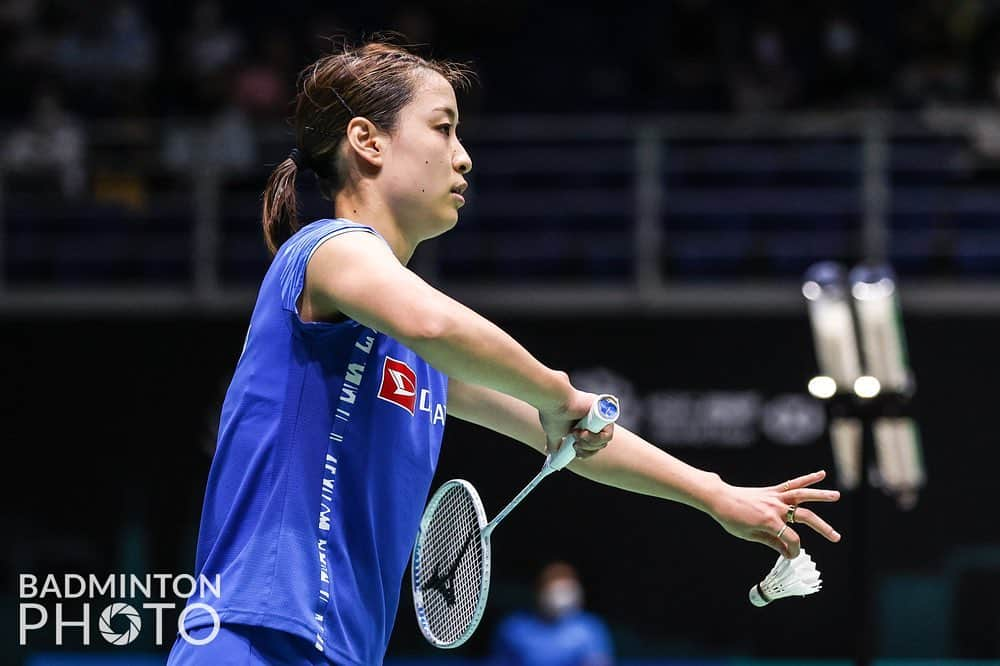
(631, 463)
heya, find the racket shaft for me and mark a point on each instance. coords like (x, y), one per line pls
(603, 412)
(514, 502)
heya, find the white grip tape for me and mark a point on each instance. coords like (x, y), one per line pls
(605, 410)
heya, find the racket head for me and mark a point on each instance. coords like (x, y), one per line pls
(450, 567)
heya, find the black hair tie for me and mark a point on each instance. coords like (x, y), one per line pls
(305, 162)
(299, 158)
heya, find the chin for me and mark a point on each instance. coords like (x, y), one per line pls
(444, 225)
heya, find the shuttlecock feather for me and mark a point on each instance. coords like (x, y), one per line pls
(797, 577)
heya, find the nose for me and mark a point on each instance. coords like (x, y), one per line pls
(461, 161)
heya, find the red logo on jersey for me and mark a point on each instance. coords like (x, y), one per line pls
(399, 384)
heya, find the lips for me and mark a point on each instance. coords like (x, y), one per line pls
(457, 191)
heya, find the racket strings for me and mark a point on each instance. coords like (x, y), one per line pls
(452, 574)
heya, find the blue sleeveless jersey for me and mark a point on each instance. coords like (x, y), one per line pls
(327, 445)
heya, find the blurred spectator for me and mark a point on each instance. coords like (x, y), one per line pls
(130, 44)
(110, 55)
(50, 143)
(843, 77)
(225, 142)
(981, 126)
(559, 632)
(210, 46)
(768, 82)
(262, 88)
(210, 52)
(685, 55)
(933, 79)
(936, 38)
(985, 127)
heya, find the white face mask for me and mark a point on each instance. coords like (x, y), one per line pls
(560, 597)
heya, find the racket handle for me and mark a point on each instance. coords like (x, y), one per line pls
(605, 410)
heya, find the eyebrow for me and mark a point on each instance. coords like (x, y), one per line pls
(450, 112)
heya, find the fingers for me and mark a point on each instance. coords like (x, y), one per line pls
(807, 517)
(585, 442)
(774, 542)
(801, 495)
(791, 540)
(593, 440)
(553, 444)
(800, 482)
(588, 443)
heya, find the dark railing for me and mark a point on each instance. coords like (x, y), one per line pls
(716, 213)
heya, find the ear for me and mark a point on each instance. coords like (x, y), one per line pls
(366, 140)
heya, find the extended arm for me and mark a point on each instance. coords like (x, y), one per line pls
(631, 463)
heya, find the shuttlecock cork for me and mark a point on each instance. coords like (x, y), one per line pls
(788, 578)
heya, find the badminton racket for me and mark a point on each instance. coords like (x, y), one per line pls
(450, 568)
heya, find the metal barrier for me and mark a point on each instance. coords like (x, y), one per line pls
(610, 212)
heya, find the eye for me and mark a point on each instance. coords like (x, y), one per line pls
(446, 128)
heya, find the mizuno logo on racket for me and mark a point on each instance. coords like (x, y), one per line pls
(445, 583)
(399, 384)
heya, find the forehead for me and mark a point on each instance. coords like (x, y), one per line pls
(432, 92)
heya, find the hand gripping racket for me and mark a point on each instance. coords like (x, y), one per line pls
(451, 558)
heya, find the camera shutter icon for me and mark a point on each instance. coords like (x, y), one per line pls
(134, 624)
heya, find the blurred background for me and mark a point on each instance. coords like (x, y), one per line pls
(650, 185)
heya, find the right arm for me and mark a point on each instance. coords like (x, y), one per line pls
(631, 463)
(356, 274)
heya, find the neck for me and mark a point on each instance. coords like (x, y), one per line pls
(373, 211)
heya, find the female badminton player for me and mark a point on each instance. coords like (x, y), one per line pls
(332, 424)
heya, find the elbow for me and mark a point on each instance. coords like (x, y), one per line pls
(428, 327)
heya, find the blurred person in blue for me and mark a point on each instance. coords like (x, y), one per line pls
(559, 632)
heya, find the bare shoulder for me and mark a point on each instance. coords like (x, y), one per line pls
(357, 275)
(346, 250)
(337, 268)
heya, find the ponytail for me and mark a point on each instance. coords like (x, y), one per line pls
(280, 217)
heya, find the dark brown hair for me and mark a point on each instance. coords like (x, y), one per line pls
(556, 571)
(374, 80)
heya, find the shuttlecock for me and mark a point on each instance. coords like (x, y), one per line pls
(797, 577)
